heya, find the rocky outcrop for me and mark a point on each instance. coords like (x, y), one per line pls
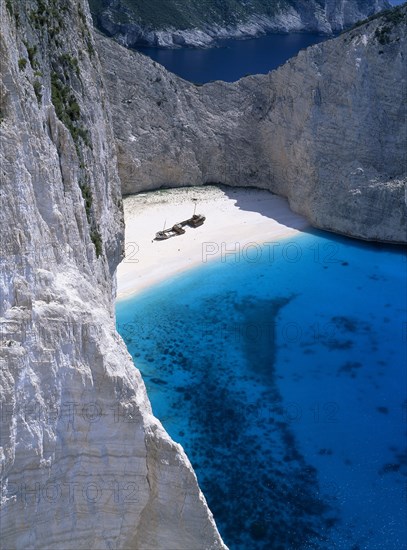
(85, 465)
(326, 130)
(200, 24)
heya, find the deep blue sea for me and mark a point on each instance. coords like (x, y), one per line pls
(283, 375)
(232, 59)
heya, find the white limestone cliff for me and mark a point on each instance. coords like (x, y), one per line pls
(327, 130)
(84, 463)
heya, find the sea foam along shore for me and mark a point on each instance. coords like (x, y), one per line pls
(237, 220)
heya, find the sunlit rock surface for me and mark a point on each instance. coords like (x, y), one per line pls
(326, 130)
(85, 465)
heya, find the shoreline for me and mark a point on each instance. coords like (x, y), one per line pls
(237, 219)
(218, 40)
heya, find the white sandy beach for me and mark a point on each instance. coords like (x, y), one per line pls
(239, 220)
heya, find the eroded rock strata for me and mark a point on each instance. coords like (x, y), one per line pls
(326, 130)
(85, 465)
(199, 23)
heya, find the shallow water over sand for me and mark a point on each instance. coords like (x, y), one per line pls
(282, 373)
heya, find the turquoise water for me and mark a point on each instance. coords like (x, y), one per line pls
(282, 373)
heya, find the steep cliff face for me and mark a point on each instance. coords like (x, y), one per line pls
(327, 130)
(85, 464)
(200, 22)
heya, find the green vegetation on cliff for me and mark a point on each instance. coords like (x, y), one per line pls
(187, 14)
(183, 14)
(56, 68)
(393, 16)
(389, 20)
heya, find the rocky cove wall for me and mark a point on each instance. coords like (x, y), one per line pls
(84, 463)
(123, 22)
(327, 130)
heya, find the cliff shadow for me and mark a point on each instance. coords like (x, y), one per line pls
(269, 205)
(275, 207)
